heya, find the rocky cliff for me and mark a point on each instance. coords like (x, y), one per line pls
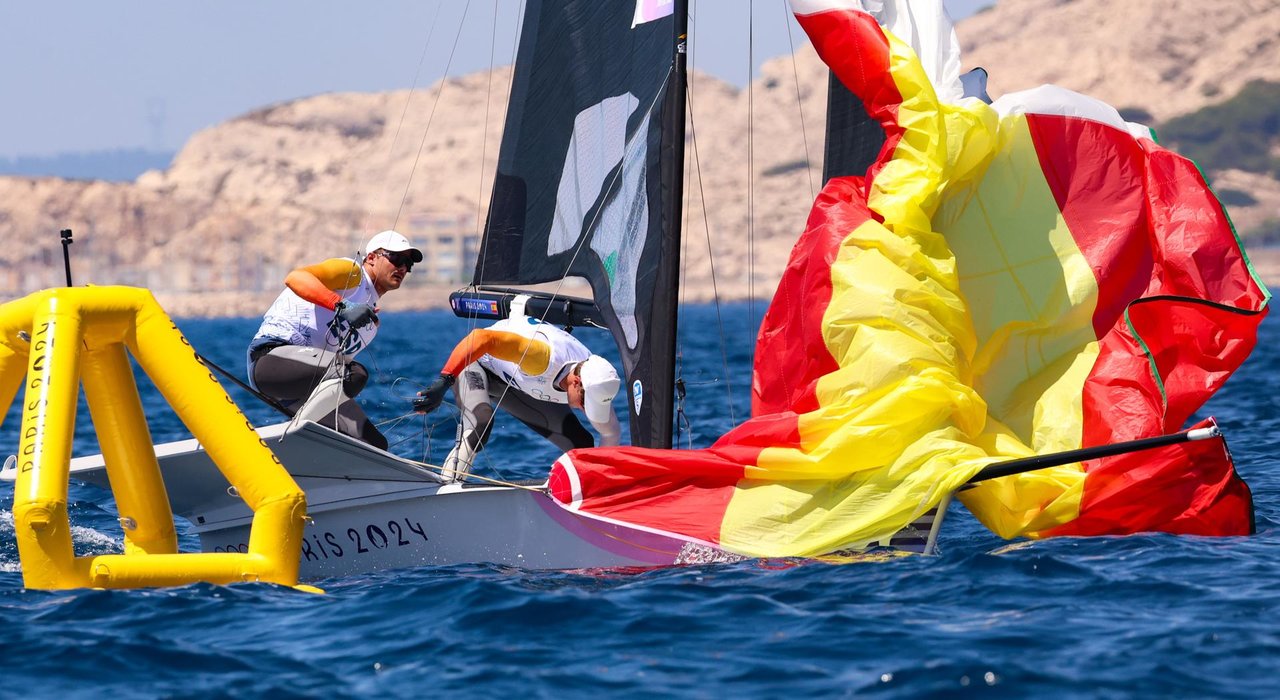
(246, 200)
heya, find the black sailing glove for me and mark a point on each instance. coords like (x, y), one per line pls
(356, 315)
(429, 399)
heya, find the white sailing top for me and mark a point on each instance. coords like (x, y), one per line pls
(296, 321)
(564, 350)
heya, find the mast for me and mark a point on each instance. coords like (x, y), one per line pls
(673, 167)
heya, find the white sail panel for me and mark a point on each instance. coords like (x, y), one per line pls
(649, 10)
(619, 238)
(596, 147)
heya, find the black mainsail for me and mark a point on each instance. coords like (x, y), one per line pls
(853, 139)
(589, 179)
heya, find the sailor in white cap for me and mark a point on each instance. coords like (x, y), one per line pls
(535, 371)
(329, 311)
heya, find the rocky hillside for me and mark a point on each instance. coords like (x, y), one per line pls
(246, 200)
(1165, 58)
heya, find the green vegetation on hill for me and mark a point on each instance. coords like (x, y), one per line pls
(1242, 132)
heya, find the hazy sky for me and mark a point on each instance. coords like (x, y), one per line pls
(87, 75)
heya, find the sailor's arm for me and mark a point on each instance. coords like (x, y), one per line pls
(610, 432)
(530, 354)
(321, 283)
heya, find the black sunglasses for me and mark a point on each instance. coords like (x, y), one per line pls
(399, 259)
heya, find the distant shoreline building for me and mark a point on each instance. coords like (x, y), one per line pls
(450, 245)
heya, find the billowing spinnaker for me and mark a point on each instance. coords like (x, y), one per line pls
(1109, 301)
(1020, 278)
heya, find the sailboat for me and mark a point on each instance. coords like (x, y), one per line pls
(598, 159)
(589, 184)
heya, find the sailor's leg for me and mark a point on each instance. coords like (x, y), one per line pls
(471, 391)
(290, 373)
(354, 378)
(553, 421)
(350, 419)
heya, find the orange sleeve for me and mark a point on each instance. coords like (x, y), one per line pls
(319, 283)
(530, 354)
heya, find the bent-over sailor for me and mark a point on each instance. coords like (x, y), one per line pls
(327, 314)
(535, 371)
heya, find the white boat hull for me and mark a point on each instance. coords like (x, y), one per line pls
(374, 511)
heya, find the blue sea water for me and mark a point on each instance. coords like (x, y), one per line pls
(1139, 616)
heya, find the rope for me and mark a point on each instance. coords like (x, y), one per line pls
(257, 394)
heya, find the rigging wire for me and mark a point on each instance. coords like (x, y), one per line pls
(711, 263)
(751, 160)
(472, 319)
(694, 165)
(484, 243)
(795, 73)
(365, 226)
(488, 101)
(430, 117)
(608, 190)
(404, 112)
(427, 432)
(338, 359)
(689, 167)
(484, 150)
(332, 367)
(236, 380)
(422, 142)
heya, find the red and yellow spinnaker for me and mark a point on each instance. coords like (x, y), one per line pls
(1024, 277)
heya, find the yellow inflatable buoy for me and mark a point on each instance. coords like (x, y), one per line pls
(55, 339)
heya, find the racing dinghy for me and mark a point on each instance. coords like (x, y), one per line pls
(928, 326)
(609, 137)
(372, 511)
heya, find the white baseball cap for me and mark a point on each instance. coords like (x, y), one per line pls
(600, 384)
(392, 242)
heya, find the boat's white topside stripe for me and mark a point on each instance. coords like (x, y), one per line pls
(575, 484)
